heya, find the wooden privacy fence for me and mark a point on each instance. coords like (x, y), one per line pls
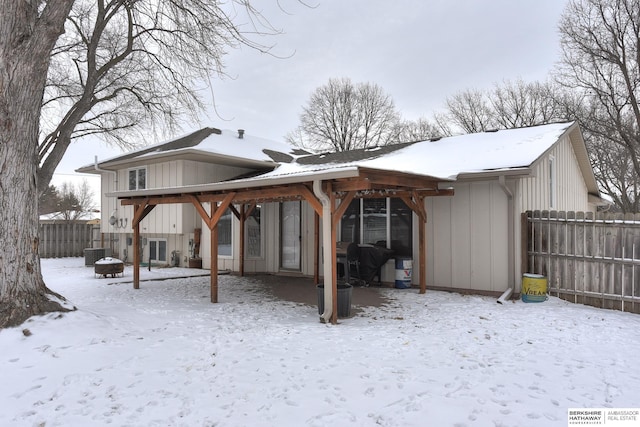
(66, 239)
(588, 259)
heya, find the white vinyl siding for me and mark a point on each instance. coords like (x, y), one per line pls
(467, 238)
(534, 193)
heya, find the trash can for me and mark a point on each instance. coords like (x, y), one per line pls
(404, 267)
(345, 291)
(534, 288)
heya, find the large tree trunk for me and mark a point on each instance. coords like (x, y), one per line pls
(27, 36)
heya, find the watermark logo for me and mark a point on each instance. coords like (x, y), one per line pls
(610, 417)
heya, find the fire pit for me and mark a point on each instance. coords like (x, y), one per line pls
(109, 266)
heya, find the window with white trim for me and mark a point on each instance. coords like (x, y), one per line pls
(158, 250)
(137, 179)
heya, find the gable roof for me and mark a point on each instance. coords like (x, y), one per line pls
(493, 153)
(208, 144)
(511, 151)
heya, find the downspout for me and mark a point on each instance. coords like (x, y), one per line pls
(115, 175)
(96, 167)
(327, 268)
(510, 232)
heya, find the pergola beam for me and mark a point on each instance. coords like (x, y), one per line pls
(412, 189)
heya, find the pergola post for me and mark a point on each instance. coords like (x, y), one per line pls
(136, 253)
(422, 253)
(214, 255)
(243, 217)
(321, 194)
(140, 211)
(334, 258)
(416, 203)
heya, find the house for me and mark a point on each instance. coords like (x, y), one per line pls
(453, 205)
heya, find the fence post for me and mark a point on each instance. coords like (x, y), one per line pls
(64, 239)
(524, 244)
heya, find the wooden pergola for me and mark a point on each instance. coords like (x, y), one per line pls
(329, 195)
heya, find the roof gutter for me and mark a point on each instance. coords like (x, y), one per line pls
(496, 173)
(327, 255)
(157, 157)
(239, 184)
(97, 168)
(114, 216)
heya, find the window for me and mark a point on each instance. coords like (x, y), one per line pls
(385, 222)
(254, 233)
(350, 224)
(224, 229)
(290, 235)
(224, 234)
(552, 182)
(374, 221)
(137, 179)
(158, 250)
(401, 236)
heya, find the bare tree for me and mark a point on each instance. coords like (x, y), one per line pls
(75, 201)
(28, 33)
(122, 69)
(600, 42)
(342, 116)
(70, 202)
(417, 130)
(115, 67)
(520, 104)
(617, 178)
(471, 111)
(512, 104)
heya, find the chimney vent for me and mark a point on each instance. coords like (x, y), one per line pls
(240, 133)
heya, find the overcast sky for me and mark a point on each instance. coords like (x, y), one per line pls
(419, 52)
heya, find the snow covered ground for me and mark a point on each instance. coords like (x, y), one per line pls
(164, 355)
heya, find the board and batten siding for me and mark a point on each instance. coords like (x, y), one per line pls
(467, 238)
(269, 262)
(534, 193)
(164, 219)
(174, 222)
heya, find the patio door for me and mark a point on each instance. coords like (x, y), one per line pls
(290, 237)
(158, 250)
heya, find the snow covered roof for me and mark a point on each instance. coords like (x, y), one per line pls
(446, 158)
(214, 144)
(512, 151)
